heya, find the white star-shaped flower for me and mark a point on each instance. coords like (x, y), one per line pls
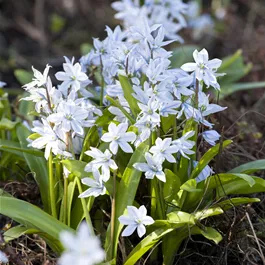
(117, 136)
(71, 77)
(205, 69)
(39, 79)
(82, 248)
(70, 117)
(101, 160)
(164, 149)
(183, 145)
(136, 219)
(96, 185)
(153, 167)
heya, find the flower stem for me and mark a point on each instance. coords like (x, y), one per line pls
(84, 206)
(102, 84)
(52, 187)
(175, 166)
(65, 198)
(152, 182)
(113, 213)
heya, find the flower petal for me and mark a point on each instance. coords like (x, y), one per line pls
(141, 230)
(129, 230)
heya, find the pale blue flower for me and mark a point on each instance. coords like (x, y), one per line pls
(136, 219)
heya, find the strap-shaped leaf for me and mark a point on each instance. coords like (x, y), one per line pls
(250, 167)
(37, 165)
(32, 217)
(126, 191)
(207, 157)
(233, 202)
(128, 91)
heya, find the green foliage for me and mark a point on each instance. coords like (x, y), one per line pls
(207, 157)
(36, 164)
(23, 76)
(33, 218)
(127, 190)
(57, 23)
(182, 54)
(235, 69)
(85, 48)
(250, 167)
(128, 91)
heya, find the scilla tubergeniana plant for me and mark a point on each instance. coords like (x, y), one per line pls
(122, 125)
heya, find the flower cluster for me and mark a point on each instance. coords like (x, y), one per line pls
(170, 13)
(65, 111)
(158, 93)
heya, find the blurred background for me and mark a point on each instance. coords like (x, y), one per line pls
(37, 32)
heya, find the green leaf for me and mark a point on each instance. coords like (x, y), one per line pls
(247, 178)
(70, 196)
(190, 186)
(223, 178)
(209, 233)
(230, 60)
(232, 88)
(180, 217)
(117, 104)
(20, 151)
(207, 157)
(175, 220)
(105, 119)
(233, 202)
(12, 147)
(128, 91)
(37, 165)
(171, 187)
(205, 213)
(147, 243)
(76, 167)
(17, 231)
(125, 195)
(26, 108)
(85, 48)
(182, 54)
(32, 217)
(234, 68)
(57, 23)
(172, 241)
(4, 193)
(192, 199)
(91, 139)
(250, 167)
(23, 76)
(167, 123)
(77, 213)
(34, 136)
(227, 183)
(240, 186)
(6, 124)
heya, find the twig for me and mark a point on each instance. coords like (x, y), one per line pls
(255, 236)
(30, 30)
(13, 257)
